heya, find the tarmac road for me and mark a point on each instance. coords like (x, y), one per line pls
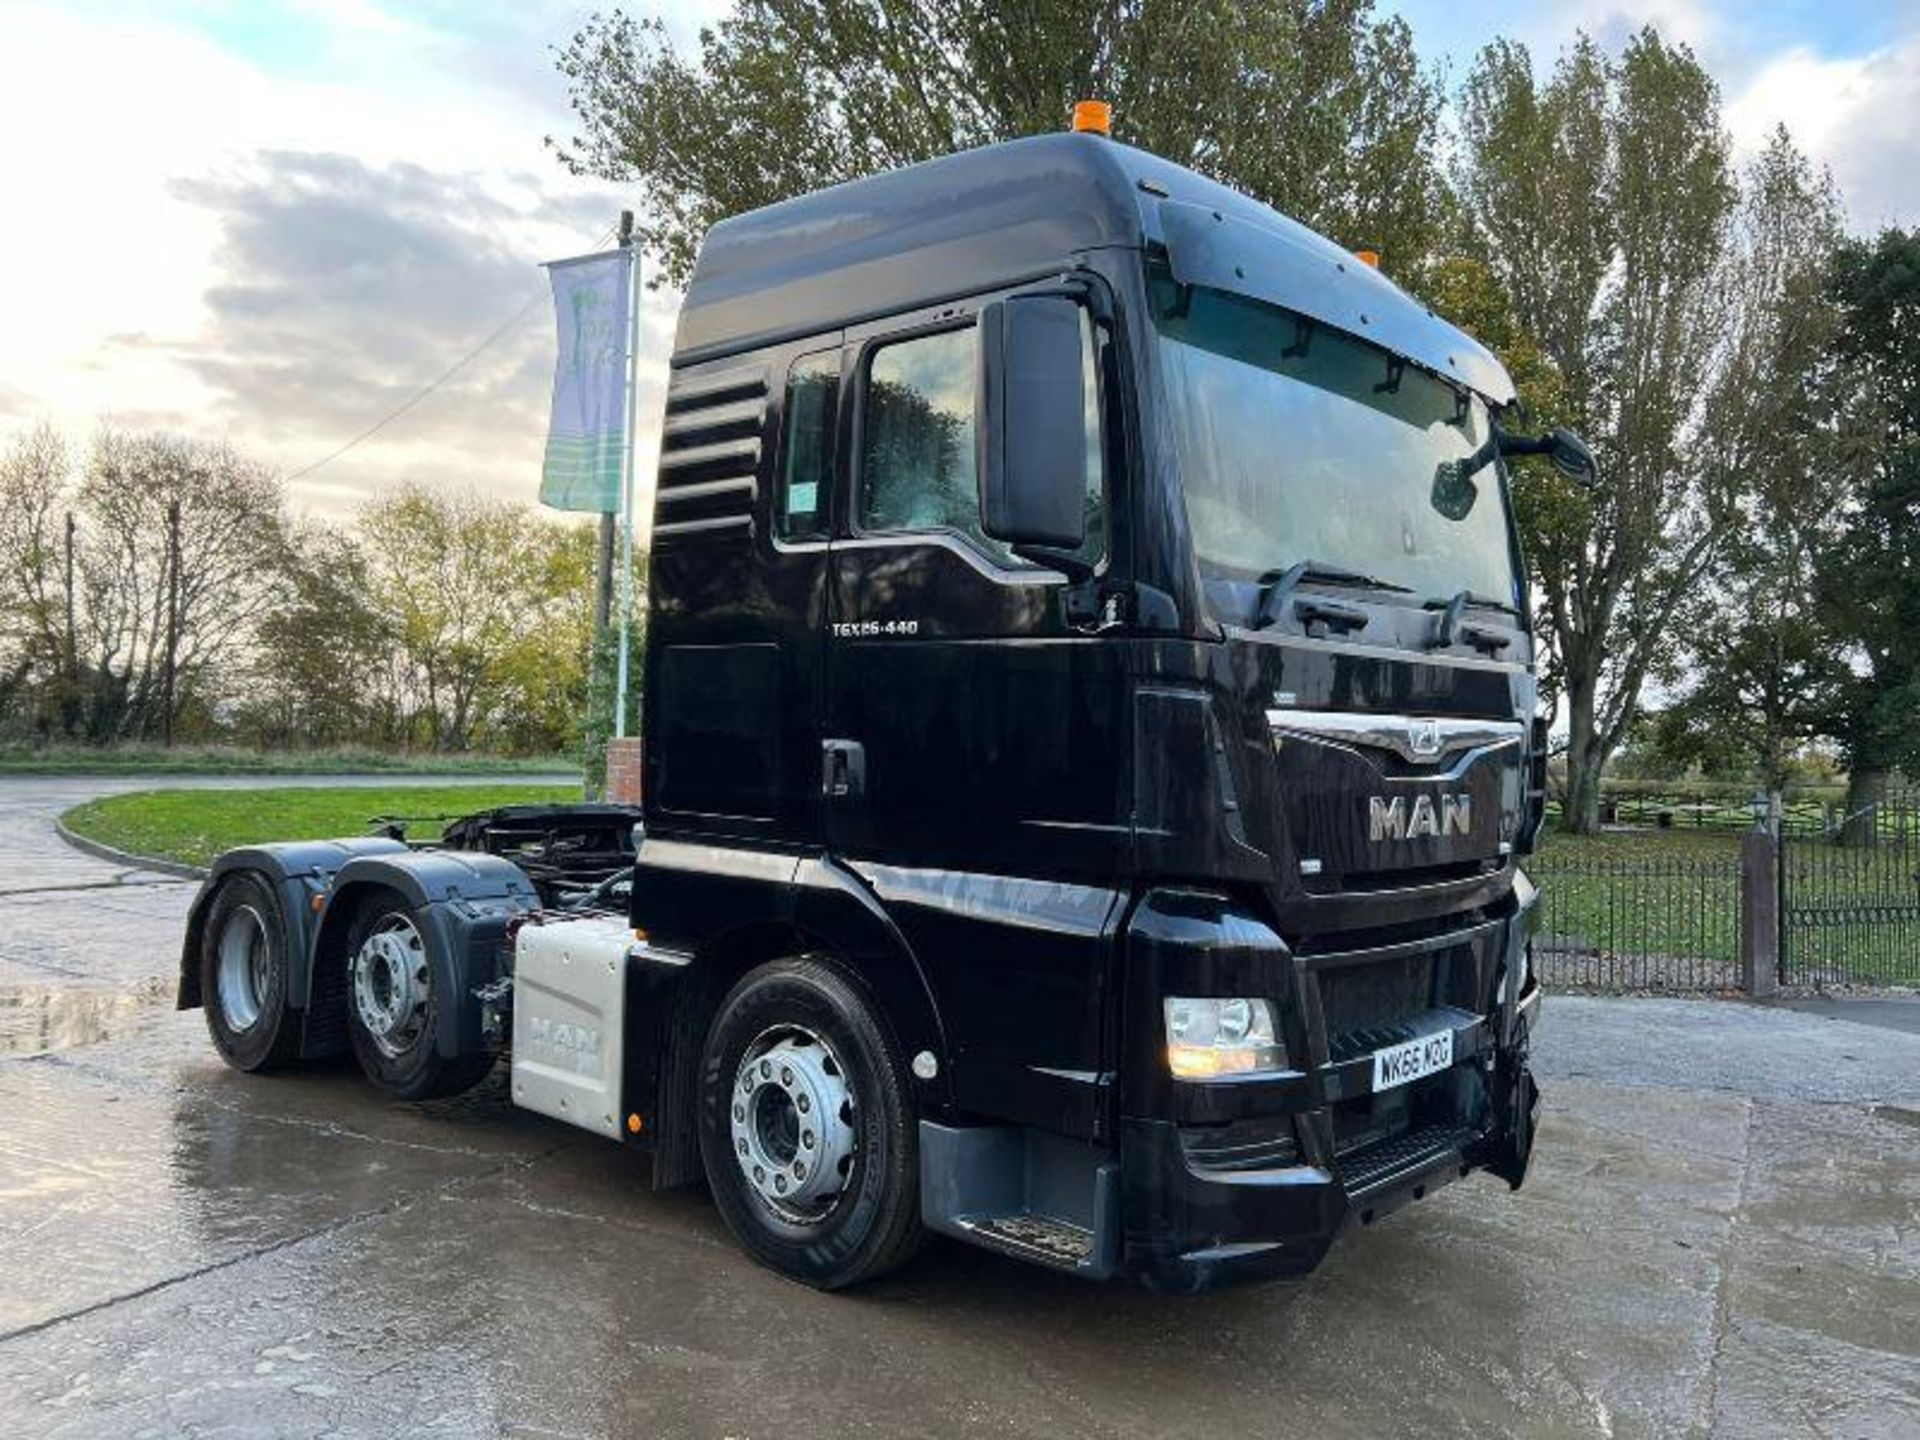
(1721, 1235)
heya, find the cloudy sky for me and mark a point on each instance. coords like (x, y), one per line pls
(275, 221)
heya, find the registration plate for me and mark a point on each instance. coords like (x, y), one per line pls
(1399, 1064)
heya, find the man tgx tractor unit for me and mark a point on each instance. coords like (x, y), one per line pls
(1090, 737)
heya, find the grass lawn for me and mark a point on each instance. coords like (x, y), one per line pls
(236, 760)
(195, 825)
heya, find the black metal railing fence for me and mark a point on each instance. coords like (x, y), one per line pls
(1850, 912)
(1655, 922)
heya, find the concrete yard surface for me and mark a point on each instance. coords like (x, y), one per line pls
(1721, 1236)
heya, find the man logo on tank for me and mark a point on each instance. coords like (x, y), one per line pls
(1396, 819)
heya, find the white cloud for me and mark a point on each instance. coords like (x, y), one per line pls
(1859, 116)
(194, 241)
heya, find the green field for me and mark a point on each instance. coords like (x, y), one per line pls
(236, 760)
(193, 826)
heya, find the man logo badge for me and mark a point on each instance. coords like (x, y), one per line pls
(1423, 739)
(1395, 820)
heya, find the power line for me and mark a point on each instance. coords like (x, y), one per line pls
(445, 375)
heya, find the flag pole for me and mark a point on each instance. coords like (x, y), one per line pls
(626, 473)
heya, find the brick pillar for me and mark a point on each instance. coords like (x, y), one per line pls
(623, 771)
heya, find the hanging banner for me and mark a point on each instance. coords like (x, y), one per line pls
(587, 437)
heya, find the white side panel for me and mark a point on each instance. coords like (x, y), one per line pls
(569, 999)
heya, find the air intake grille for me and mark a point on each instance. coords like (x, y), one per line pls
(710, 454)
(1357, 1002)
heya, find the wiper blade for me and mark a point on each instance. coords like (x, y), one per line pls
(1277, 586)
(1464, 598)
(1450, 628)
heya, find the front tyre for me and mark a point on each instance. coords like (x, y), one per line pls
(806, 1127)
(393, 1009)
(244, 980)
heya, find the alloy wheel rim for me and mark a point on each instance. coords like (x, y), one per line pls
(794, 1123)
(243, 968)
(391, 985)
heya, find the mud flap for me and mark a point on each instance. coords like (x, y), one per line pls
(1517, 1108)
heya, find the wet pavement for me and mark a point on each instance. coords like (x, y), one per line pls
(1721, 1236)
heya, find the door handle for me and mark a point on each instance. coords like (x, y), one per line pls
(843, 769)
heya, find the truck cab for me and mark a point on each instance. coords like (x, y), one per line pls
(1086, 611)
(1090, 745)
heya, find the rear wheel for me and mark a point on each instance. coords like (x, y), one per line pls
(392, 1012)
(806, 1127)
(243, 976)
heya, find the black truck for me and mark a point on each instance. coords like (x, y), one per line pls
(1091, 738)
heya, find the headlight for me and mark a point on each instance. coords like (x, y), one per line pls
(1210, 1037)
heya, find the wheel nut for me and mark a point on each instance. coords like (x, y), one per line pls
(780, 1183)
(786, 1076)
(799, 1170)
(740, 1112)
(804, 1103)
(806, 1138)
(743, 1147)
(759, 1176)
(766, 1070)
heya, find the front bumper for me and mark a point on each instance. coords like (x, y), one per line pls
(1254, 1179)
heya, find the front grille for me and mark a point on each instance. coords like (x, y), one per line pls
(1242, 1145)
(1357, 999)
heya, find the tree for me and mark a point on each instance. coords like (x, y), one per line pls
(321, 663)
(1868, 575)
(37, 661)
(184, 549)
(1769, 674)
(1315, 106)
(489, 609)
(1605, 204)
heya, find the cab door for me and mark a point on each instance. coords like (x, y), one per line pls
(975, 753)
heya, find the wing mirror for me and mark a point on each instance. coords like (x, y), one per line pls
(1030, 429)
(1564, 450)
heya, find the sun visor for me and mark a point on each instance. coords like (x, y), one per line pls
(1313, 277)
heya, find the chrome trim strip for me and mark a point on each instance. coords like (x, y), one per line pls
(1443, 736)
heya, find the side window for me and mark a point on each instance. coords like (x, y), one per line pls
(917, 458)
(917, 454)
(806, 447)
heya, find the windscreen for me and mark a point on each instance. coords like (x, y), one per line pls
(1297, 443)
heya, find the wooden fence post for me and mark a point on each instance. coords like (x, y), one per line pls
(1760, 912)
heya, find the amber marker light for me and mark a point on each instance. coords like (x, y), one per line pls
(633, 1123)
(1368, 258)
(1092, 117)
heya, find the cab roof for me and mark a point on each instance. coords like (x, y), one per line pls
(990, 217)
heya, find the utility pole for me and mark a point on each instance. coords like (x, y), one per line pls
(173, 622)
(73, 648)
(70, 702)
(603, 578)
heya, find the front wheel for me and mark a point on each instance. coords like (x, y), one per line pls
(392, 1009)
(806, 1127)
